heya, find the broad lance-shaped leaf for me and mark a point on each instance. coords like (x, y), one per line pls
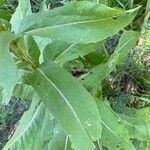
(8, 70)
(69, 102)
(114, 134)
(97, 74)
(35, 129)
(23, 10)
(78, 22)
(61, 52)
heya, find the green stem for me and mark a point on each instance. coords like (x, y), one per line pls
(17, 52)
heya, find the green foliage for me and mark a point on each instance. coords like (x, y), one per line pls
(37, 54)
(112, 138)
(8, 69)
(76, 28)
(95, 77)
(36, 118)
(47, 79)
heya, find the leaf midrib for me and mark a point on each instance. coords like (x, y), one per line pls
(63, 53)
(67, 24)
(66, 101)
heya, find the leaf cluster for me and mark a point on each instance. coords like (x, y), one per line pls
(58, 58)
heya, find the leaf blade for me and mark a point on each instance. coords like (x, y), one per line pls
(9, 72)
(100, 72)
(112, 138)
(87, 23)
(79, 121)
(23, 10)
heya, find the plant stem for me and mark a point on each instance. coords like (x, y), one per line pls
(17, 52)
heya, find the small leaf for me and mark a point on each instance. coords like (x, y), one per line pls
(100, 72)
(33, 49)
(65, 98)
(8, 70)
(62, 52)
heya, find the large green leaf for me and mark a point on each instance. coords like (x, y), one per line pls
(9, 73)
(100, 72)
(78, 22)
(69, 102)
(105, 2)
(61, 52)
(23, 10)
(114, 134)
(35, 129)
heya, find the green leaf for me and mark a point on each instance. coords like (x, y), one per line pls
(60, 140)
(5, 14)
(100, 72)
(23, 91)
(97, 57)
(5, 23)
(43, 6)
(138, 124)
(78, 22)
(35, 129)
(105, 2)
(2, 2)
(33, 49)
(65, 98)
(22, 11)
(42, 42)
(8, 70)
(62, 52)
(114, 134)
